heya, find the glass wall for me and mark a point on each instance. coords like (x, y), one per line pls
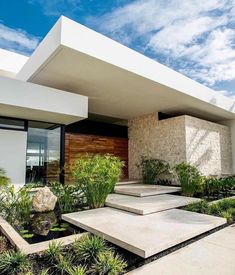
(43, 152)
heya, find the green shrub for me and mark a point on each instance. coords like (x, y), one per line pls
(4, 180)
(64, 262)
(88, 247)
(219, 187)
(108, 263)
(224, 208)
(70, 198)
(13, 262)
(190, 179)
(76, 270)
(54, 251)
(151, 168)
(15, 205)
(96, 176)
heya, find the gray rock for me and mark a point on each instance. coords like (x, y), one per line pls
(44, 200)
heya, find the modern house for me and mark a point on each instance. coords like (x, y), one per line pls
(83, 92)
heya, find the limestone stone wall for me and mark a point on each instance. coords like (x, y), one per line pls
(208, 146)
(163, 139)
(204, 144)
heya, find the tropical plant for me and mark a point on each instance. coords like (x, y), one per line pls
(4, 180)
(70, 197)
(15, 205)
(108, 263)
(14, 262)
(151, 168)
(88, 247)
(76, 270)
(190, 179)
(54, 251)
(223, 208)
(96, 176)
(64, 263)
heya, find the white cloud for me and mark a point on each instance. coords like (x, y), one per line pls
(17, 40)
(194, 37)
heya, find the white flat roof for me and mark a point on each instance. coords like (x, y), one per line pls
(11, 63)
(30, 101)
(118, 81)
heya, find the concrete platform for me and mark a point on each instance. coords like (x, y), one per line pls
(143, 190)
(147, 205)
(125, 182)
(212, 255)
(144, 235)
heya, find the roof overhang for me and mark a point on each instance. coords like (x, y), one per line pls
(118, 81)
(34, 102)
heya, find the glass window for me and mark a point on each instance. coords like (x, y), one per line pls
(43, 152)
(9, 123)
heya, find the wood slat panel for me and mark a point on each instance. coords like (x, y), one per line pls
(76, 144)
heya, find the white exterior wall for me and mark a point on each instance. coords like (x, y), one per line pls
(13, 154)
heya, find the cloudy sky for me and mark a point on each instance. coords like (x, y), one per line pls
(194, 37)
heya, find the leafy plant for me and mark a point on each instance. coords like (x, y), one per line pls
(4, 180)
(88, 247)
(108, 263)
(28, 236)
(151, 168)
(54, 251)
(64, 262)
(223, 208)
(76, 270)
(13, 262)
(219, 187)
(70, 197)
(96, 176)
(15, 205)
(190, 179)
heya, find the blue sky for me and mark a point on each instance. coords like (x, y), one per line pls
(194, 37)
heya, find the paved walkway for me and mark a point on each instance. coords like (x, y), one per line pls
(150, 223)
(212, 255)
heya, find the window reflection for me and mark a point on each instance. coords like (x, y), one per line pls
(43, 152)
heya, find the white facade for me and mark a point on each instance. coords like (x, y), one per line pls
(13, 154)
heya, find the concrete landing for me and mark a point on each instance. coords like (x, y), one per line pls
(143, 190)
(212, 255)
(144, 235)
(147, 205)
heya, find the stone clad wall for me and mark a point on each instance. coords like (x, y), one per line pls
(208, 146)
(163, 139)
(184, 138)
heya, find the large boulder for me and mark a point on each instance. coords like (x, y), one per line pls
(44, 200)
(43, 222)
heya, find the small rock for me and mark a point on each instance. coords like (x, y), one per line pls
(44, 200)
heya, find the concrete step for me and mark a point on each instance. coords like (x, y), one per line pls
(125, 182)
(144, 235)
(147, 205)
(144, 190)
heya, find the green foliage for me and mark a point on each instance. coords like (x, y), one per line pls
(45, 272)
(76, 270)
(70, 198)
(54, 251)
(15, 205)
(14, 262)
(4, 180)
(108, 263)
(3, 244)
(63, 263)
(224, 208)
(28, 236)
(151, 168)
(219, 187)
(190, 179)
(88, 248)
(96, 176)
